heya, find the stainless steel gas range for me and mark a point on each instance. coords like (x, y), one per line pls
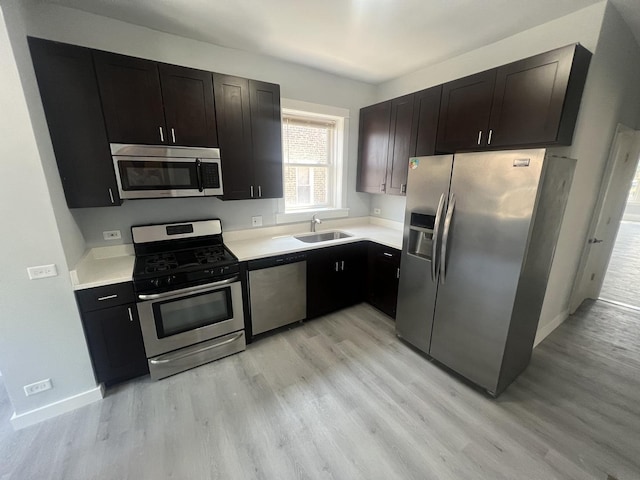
(189, 295)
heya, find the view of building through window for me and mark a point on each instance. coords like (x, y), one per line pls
(309, 161)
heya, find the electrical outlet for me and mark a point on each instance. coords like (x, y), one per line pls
(38, 387)
(376, 211)
(112, 235)
(42, 271)
(256, 221)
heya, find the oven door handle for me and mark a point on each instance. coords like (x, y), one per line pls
(182, 291)
(172, 357)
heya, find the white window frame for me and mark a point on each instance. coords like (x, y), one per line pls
(338, 190)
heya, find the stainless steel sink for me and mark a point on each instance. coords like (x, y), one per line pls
(321, 236)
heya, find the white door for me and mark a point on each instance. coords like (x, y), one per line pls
(616, 183)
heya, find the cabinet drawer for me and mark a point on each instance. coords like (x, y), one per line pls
(104, 297)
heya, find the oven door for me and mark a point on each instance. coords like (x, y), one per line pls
(184, 317)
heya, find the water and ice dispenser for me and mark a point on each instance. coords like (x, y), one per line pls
(421, 239)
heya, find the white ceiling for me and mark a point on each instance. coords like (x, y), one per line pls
(368, 40)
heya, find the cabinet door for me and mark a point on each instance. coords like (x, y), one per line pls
(323, 292)
(234, 132)
(382, 278)
(71, 102)
(188, 106)
(266, 133)
(464, 112)
(131, 99)
(351, 278)
(373, 147)
(402, 144)
(115, 343)
(426, 113)
(529, 100)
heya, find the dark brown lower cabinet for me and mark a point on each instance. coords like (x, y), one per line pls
(113, 335)
(383, 273)
(335, 278)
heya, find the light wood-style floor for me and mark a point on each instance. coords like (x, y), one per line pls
(342, 398)
(622, 280)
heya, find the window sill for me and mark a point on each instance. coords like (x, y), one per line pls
(305, 215)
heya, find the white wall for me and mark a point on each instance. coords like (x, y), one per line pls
(40, 331)
(296, 82)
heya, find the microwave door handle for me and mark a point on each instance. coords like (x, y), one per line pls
(199, 175)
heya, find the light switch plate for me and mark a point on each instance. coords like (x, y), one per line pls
(256, 221)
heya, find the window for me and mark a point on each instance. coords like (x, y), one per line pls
(312, 149)
(308, 148)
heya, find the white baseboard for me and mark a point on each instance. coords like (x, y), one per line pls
(550, 327)
(65, 405)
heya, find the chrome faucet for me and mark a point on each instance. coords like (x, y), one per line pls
(314, 221)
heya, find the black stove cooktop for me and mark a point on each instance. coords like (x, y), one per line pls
(175, 256)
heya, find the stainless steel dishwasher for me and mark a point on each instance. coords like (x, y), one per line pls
(277, 291)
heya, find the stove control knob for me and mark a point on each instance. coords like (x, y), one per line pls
(155, 282)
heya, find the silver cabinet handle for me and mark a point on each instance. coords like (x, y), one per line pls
(479, 137)
(336, 266)
(130, 314)
(434, 239)
(170, 357)
(387, 254)
(490, 135)
(259, 191)
(111, 196)
(173, 135)
(251, 191)
(398, 273)
(161, 134)
(445, 238)
(182, 291)
(342, 265)
(108, 297)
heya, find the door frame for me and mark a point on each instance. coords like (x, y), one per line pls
(612, 189)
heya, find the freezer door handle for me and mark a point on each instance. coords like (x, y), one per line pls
(434, 239)
(445, 238)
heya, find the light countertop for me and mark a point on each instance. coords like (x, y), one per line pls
(276, 241)
(103, 266)
(109, 265)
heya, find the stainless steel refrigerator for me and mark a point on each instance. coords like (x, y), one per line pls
(480, 234)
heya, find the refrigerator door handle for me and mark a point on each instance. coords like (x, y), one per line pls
(434, 239)
(445, 238)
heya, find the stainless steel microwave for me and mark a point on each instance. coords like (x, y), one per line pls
(158, 171)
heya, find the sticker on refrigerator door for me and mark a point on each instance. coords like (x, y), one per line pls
(413, 163)
(521, 162)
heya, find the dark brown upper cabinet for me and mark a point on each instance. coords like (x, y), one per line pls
(150, 103)
(390, 133)
(188, 106)
(464, 112)
(131, 99)
(373, 147)
(250, 131)
(71, 101)
(266, 134)
(426, 114)
(528, 103)
(402, 144)
(536, 100)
